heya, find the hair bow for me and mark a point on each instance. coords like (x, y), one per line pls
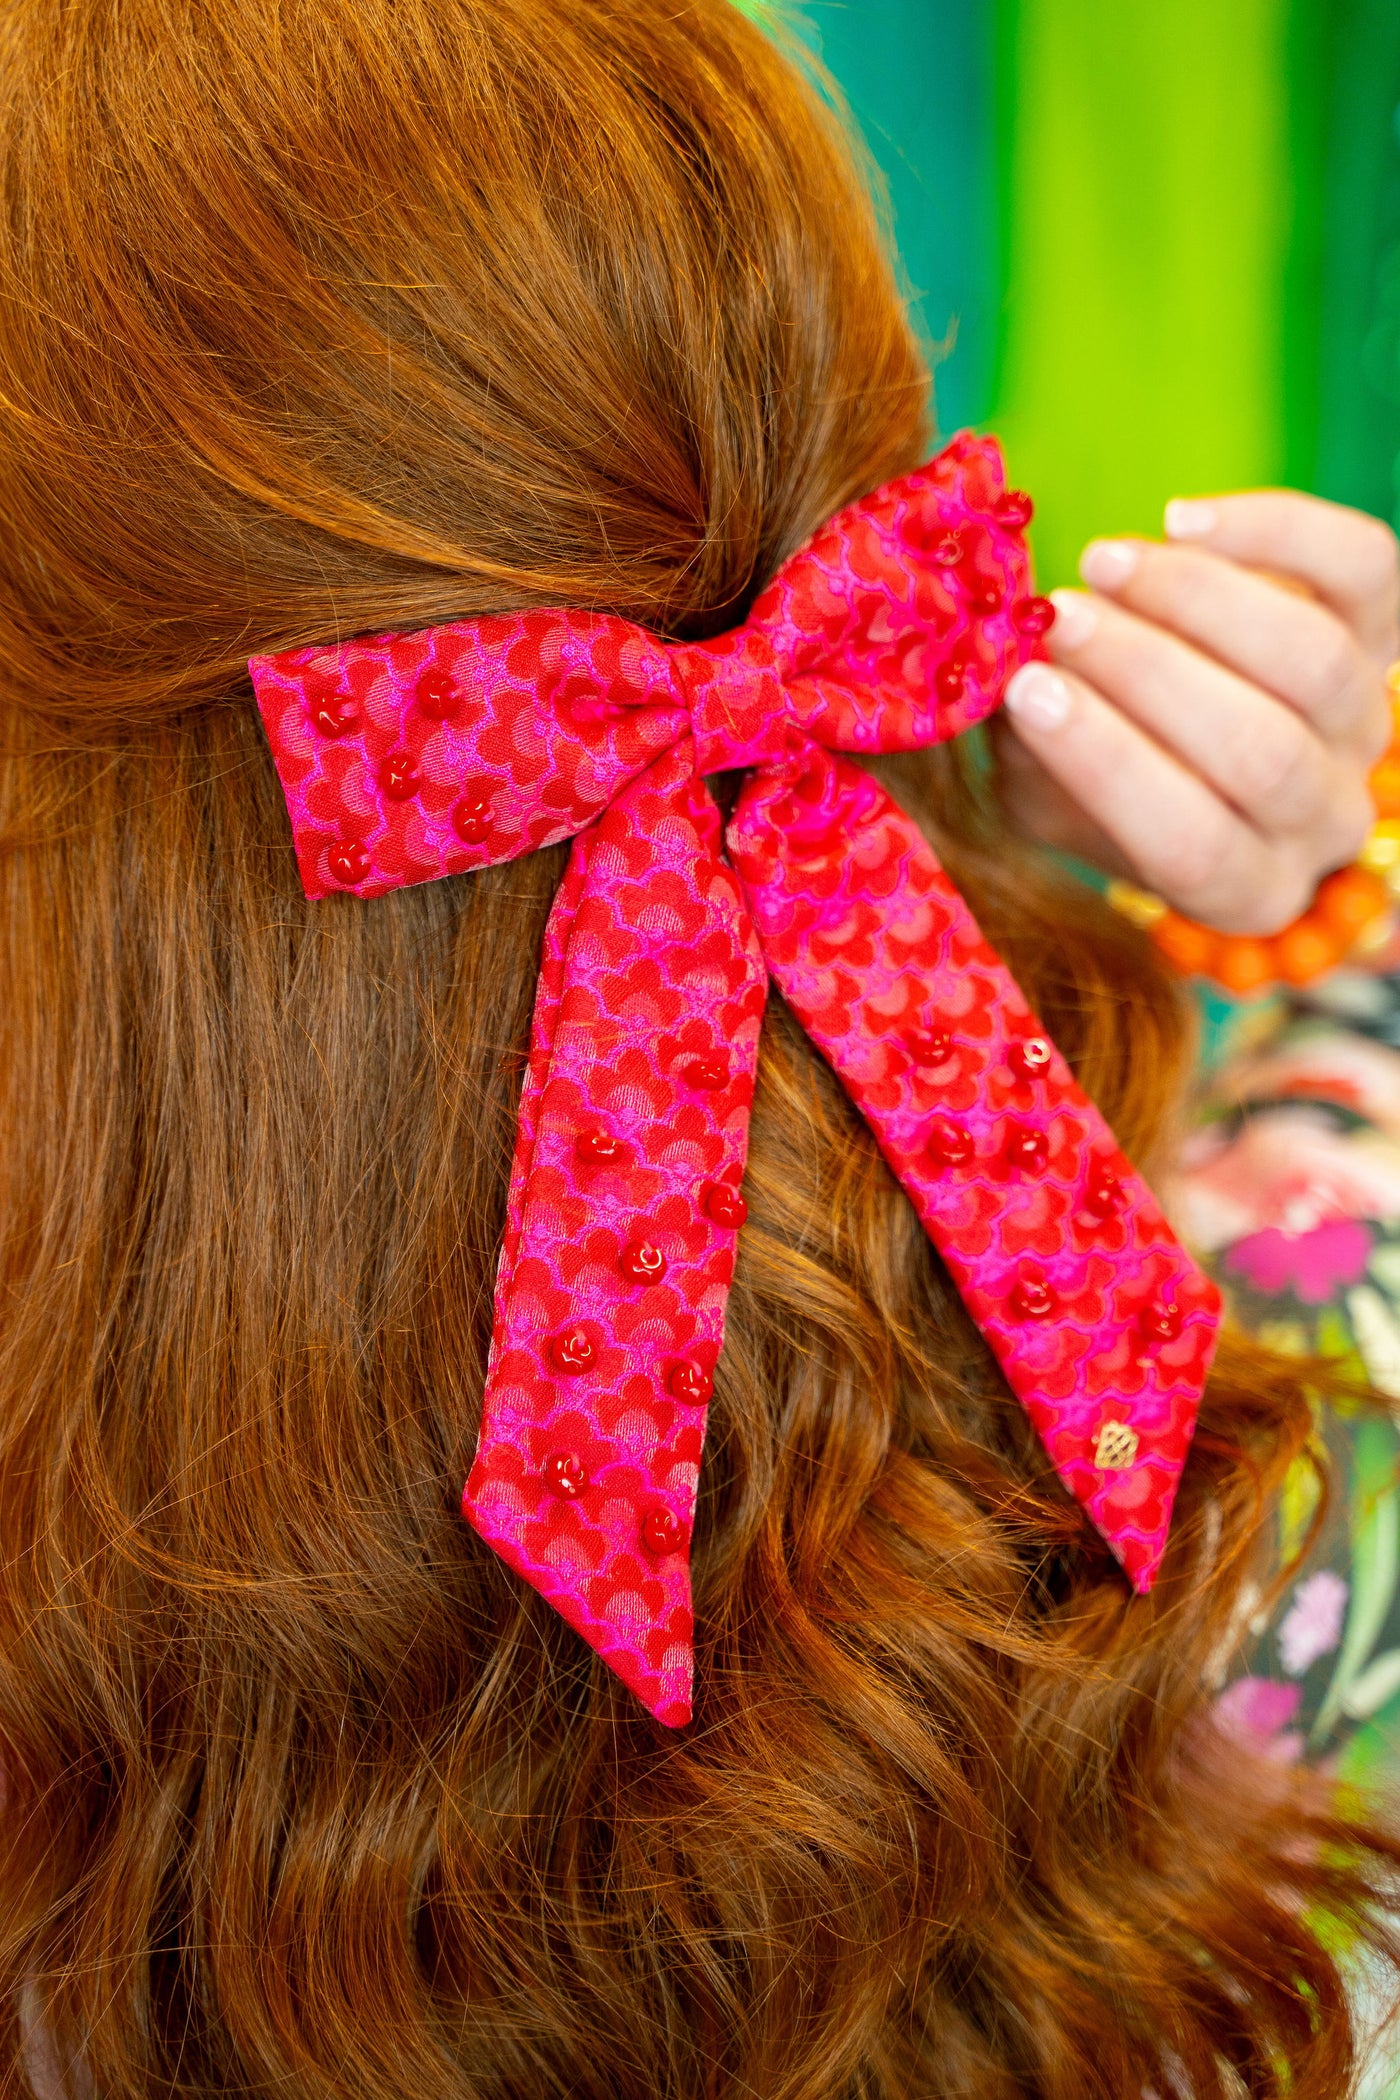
(408, 757)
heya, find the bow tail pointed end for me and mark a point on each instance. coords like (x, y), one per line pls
(1126, 1476)
(1137, 1537)
(632, 1610)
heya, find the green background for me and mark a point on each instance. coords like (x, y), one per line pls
(1161, 240)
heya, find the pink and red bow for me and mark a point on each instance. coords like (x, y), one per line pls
(413, 756)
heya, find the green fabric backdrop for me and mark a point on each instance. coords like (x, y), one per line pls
(1147, 207)
(1359, 290)
(1167, 237)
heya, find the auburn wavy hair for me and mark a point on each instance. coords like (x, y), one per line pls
(326, 316)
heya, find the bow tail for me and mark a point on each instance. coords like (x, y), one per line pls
(1102, 1323)
(619, 1246)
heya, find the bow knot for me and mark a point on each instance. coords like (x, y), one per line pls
(406, 757)
(743, 712)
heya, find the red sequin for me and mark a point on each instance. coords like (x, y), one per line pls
(1014, 510)
(1161, 1322)
(1028, 1149)
(642, 1261)
(1034, 616)
(1104, 1194)
(399, 777)
(1029, 1058)
(690, 1382)
(471, 820)
(706, 1074)
(930, 1046)
(573, 1351)
(948, 1143)
(661, 1532)
(1031, 1298)
(598, 1145)
(724, 1205)
(348, 862)
(438, 694)
(333, 713)
(564, 1475)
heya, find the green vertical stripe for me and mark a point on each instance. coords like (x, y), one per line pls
(1307, 69)
(1148, 185)
(1359, 448)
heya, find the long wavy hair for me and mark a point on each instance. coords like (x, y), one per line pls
(326, 316)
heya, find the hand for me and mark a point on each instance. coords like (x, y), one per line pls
(1216, 705)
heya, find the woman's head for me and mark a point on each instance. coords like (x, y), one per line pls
(320, 317)
(375, 315)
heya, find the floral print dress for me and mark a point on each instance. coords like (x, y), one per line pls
(1290, 1190)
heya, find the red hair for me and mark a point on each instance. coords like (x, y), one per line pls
(317, 317)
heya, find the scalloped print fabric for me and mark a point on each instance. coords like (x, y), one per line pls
(408, 757)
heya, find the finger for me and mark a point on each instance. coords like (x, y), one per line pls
(1180, 838)
(1290, 645)
(1350, 560)
(1259, 755)
(1043, 810)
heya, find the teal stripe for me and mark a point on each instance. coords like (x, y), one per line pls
(919, 78)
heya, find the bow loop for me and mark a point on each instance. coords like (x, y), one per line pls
(405, 757)
(895, 627)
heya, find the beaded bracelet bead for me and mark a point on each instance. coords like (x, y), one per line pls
(1353, 913)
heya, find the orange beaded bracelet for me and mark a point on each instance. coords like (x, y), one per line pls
(1353, 912)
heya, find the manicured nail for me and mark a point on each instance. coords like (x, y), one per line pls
(1075, 618)
(1187, 519)
(1107, 564)
(1038, 696)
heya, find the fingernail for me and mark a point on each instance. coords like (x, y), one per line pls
(1038, 696)
(1075, 618)
(1108, 564)
(1187, 519)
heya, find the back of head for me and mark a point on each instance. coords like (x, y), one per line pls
(320, 317)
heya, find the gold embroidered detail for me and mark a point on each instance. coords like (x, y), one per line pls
(1115, 1447)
